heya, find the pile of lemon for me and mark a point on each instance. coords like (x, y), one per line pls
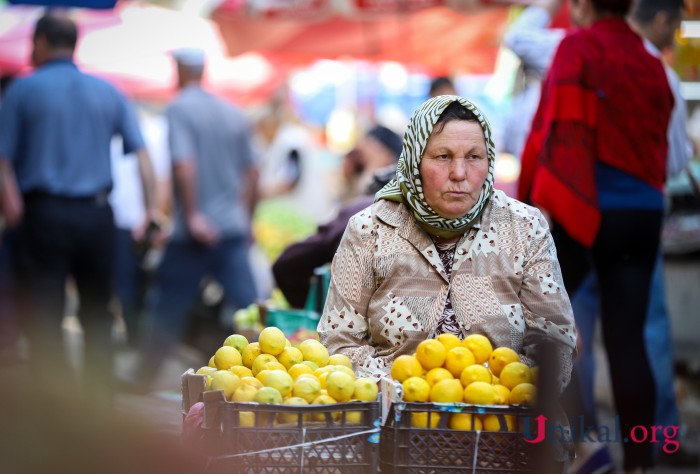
(448, 370)
(273, 371)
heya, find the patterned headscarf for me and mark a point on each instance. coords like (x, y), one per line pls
(407, 187)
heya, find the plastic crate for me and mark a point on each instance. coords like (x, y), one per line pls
(290, 320)
(334, 445)
(409, 449)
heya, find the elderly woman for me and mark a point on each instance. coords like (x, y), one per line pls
(441, 251)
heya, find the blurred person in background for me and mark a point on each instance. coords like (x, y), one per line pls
(441, 85)
(295, 267)
(55, 132)
(214, 178)
(598, 170)
(131, 270)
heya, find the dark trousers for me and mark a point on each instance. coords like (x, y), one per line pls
(622, 257)
(129, 283)
(61, 237)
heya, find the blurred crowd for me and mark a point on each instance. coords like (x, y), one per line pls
(163, 220)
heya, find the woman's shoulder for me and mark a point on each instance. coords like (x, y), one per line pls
(504, 205)
(378, 214)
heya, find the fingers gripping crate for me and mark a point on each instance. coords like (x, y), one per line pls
(410, 449)
(257, 438)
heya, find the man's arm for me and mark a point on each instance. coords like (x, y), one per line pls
(11, 203)
(185, 180)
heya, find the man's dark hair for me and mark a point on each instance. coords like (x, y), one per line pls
(440, 82)
(454, 111)
(644, 11)
(616, 7)
(58, 30)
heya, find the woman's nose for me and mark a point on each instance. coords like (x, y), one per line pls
(458, 170)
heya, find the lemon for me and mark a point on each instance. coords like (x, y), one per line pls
(206, 370)
(290, 356)
(500, 357)
(226, 357)
(237, 341)
(366, 390)
(353, 416)
(464, 422)
(315, 352)
(274, 365)
(475, 373)
(262, 374)
(251, 381)
(241, 371)
(431, 354)
(457, 359)
(247, 419)
(268, 395)
(291, 417)
(211, 362)
(405, 366)
(523, 394)
(416, 389)
(435, 375)
(260, 361)
(312, 365)
(280, 380)
(298, 369)
(492, 423)
(226, 381)
(272, 340)
(420, 419)
(324, 400)
(249, 354)
(342, 368)
(514, 374)
(447, 391)
(244, 393)
(307, 388)
(480, 346)
(449, 340)
(340, 385)
(503, 394)
(340, 359)
(480, 393)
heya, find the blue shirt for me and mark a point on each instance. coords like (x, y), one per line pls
(56, 127)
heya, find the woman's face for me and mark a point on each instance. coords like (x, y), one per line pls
(453, 168)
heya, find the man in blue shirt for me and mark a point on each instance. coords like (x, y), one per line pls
(55, 131)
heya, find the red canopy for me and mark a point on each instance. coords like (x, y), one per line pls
(437, 39)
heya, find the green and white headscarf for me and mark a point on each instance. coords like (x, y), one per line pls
(407, 186)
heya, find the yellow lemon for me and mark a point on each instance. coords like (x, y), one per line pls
(523, 394)
(500, 357)
(449, 340)
(274, 365)
(447, 391)
(475, 373)
(249, 354)
(315, 352)
(211, 362)
(244, 393)
(272, 340)
(480, 346)
(226, 381)
(493, 423)
(324, 400)
(237, 341)
(241, 371)
(438, 373)
(340, 359)
(514, 374)
(431, 354)
(342, 368)
(268, 395)
(206, 370)
(290, 356)
(503, 394)
(307, 388)
(298, 369)
(260, 361)
(262, 374)
(312, 365)
(405, 366)
(226, 357)
(280, 380)
(422, 418)
(353, 416)
(464, 422)
(247, 419)
(291, 417)
(457, 359)
(252, 381)
(366, 390)
(416, 389)
(480, 393)
(340, 385)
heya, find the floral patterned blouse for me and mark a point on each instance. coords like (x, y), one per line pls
(389, 286)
